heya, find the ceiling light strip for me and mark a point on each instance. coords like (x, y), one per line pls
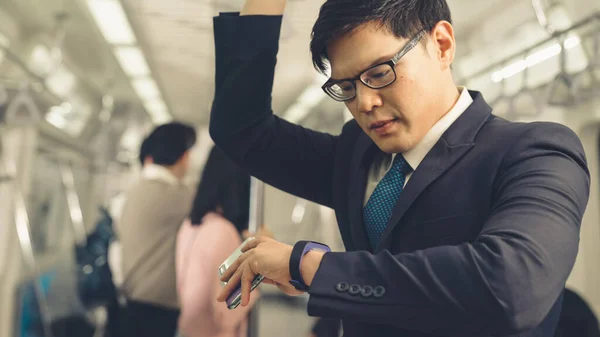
(116, 29)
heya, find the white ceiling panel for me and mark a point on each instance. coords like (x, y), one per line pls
(177, 39)
(178, 36)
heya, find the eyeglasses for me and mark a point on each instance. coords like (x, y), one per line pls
(376, 77)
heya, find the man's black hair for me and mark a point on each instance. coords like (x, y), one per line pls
(223, 185)
(404, 18)
(169, 142)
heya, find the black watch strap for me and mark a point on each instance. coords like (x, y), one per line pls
(300, 249)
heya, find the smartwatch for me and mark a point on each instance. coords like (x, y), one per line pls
(300, 249)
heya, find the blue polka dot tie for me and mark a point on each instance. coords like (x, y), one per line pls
(381, 203)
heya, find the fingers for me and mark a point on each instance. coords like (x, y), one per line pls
(233, 282)
(247, 277)
(234, 267)
(242, 277)
(253, 244)
(261, 232)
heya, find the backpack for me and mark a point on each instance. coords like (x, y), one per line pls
(94, 278)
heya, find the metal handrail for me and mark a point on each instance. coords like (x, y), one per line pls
(256, 221)
(557, 34)
(31, 76)
(591, 89)
(257, 191)
(564, 78)
(528, 92)
(540, 13)
(22, 225)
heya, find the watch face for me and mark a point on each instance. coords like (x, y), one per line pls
(316, 246)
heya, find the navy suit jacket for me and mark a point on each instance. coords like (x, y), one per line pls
(482, 239)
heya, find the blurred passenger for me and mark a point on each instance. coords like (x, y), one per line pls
(115, 209)
(156, 206)
(216, 227)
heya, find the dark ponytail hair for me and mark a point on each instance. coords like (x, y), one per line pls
(223, 184)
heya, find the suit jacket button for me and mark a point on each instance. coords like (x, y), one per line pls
(366, 291)
(379, 291)
(355, 289)
(342, 286)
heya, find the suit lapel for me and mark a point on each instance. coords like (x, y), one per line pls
(358, 182)
(439, 159)
(453, 144)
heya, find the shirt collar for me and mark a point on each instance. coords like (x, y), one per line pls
(160, 173)
(415, 156)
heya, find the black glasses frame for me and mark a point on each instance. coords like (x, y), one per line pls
(392, 63)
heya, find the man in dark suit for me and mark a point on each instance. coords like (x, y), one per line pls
(456, 222)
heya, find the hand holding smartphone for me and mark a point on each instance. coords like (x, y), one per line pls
(235, 298)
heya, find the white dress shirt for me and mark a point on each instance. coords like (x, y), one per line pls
(382, 164)
(161, 173)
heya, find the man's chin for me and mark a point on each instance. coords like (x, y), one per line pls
(390, 147)
(395, 142)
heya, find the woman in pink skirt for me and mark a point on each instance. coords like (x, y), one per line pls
(214, 230)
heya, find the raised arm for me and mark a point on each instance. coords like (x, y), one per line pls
(287, 156)
(262, 7)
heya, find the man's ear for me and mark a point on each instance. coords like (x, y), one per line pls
(443, 40)
(186, 155)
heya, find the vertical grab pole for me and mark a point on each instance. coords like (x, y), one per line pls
(257, 190)
(23, 227)
(74, 204)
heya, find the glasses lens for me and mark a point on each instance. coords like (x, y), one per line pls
(343, 90)
(379, 76)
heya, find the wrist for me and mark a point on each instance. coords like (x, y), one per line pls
(310, 264)
(261, 7)
(305, 260)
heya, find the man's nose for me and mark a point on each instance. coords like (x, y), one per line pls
(367, 98)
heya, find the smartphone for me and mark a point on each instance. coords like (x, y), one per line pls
(235, 298)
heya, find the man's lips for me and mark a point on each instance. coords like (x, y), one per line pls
(379, 124)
